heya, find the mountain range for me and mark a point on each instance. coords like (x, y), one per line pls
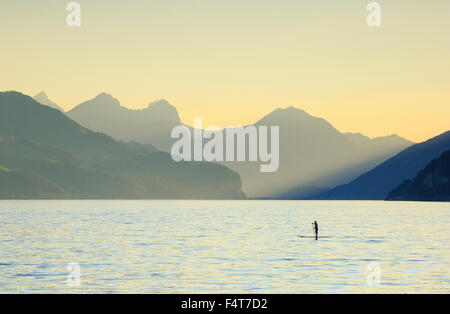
(43, 99)
(430, 184)
(314, 156)
(316, 160)
(380, 181)
(44, 154)
(151, 125)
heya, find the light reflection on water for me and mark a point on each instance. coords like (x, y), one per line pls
(223, 246)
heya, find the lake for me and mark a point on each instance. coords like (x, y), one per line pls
(224, 247)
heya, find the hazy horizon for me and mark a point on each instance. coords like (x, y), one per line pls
(232, 62)
(261, 115)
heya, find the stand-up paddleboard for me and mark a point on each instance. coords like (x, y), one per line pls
(313, 237)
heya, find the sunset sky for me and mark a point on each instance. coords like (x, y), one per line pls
(233, 61)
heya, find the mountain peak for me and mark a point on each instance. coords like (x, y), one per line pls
(43, 99)
(11, 93)
(103, 100)
(162, 103)
(164, 110)
(290, 112)
(294, 116)
(105, 96)
(151, 125)
(393, 139)
(41, 94)
(291, 109)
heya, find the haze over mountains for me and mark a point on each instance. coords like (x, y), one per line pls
(43, 99)
(377, 183)
(314, 156)
(151, 125)
(44, 154)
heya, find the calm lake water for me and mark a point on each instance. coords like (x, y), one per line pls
(224, 246)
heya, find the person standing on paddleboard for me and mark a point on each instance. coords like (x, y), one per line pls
(316, 228)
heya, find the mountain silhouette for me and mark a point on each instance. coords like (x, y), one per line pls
(377, 183)
(430, 184)
(151, 125)
(314, 156)
(43, 99)
(54, 157)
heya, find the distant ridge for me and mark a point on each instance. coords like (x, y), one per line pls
(314, 155)
(44, 154)
(430, 184)
(377, 183)
(43, 99)
(151, 125)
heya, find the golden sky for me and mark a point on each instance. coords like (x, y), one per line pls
(231, 62)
